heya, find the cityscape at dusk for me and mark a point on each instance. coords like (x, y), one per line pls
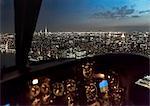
(56, 45)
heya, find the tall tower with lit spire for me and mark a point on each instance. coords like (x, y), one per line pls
(46, 31)
(6, 46)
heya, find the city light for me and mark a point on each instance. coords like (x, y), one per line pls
(58, 45)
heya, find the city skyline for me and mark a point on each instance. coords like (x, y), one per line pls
(85, 15)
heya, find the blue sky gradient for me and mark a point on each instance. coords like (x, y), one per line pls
(88, 15)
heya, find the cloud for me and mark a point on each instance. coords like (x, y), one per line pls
(146, 11)
(116, 13)
(135, 16)
(106, 14)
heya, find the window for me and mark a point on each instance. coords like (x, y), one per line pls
(7, 38)
(84, 28)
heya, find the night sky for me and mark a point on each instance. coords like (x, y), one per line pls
(85, 15)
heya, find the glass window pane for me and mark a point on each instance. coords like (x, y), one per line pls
(7, 38)
(84, 28)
